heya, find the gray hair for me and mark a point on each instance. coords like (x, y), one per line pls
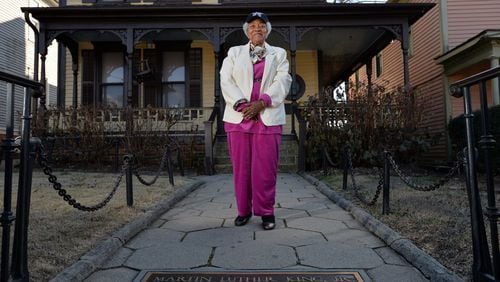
(268, 28)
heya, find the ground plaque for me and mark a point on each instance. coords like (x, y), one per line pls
(252, 276)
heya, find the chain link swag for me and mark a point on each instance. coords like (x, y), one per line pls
(47, 170)
(356, 188)
(166, 152)
(431, 187)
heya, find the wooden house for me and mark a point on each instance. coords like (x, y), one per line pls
(455, 39)
(155, 56)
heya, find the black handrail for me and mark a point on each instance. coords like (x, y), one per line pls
(19, 252)
(210, 141)
(485, 267)
(21, 81)
(302, 139)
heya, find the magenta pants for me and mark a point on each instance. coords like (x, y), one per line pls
(255, 165)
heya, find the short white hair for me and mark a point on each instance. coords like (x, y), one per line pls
(268, 28)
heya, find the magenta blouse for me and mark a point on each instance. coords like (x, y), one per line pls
(255, 126)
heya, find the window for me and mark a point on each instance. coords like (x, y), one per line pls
(378, 64)
(88, 77)
(112, 79)
(173, 80)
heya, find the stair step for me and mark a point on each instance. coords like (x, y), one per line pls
(288, 155)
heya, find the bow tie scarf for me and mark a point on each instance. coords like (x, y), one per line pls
(257, 53)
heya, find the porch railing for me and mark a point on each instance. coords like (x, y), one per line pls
(210, 135)
(485, 267)
(113, 121)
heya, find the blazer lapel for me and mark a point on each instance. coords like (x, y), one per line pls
(248, 67)
(268, 65)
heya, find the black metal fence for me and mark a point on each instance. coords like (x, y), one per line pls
(31, 148)
(486, 267)
(486, 255)
(9, 145)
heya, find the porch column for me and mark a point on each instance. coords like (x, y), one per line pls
(61, 76)
(218, 101)
(405, 43)
(495, 86)
(346, 88)
(293, 69)
(129, 67)
(74, 68)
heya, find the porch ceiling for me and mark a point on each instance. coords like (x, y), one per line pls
(345, 34)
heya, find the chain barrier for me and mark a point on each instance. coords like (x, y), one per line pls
(162, 164)
(47, 170)
(431, 187)
(357, 188)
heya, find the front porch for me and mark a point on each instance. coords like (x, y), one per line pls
(156, 68)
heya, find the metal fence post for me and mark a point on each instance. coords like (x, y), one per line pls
(346, 167)
(20, 245)
(387, 181)
(7, 217)
(129, 189)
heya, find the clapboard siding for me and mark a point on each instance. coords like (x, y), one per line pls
(12, 52)
(425, 75)
(467, 18)
(17, 53)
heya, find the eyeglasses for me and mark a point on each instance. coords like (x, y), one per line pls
(256, 27)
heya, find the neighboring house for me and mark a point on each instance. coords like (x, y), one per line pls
(455, 39)
(17, 43)
(156, 55)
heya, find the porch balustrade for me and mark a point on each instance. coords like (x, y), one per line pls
(113, 121)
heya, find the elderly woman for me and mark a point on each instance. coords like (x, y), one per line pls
(255, 81)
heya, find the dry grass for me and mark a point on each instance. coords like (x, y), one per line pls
(437, 222)
(60, 234)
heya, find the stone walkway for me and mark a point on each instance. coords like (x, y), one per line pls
(312, 234)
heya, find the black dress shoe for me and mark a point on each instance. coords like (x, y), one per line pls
(268, 222)
(242, 220)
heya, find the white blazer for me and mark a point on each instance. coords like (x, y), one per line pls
(236, 80)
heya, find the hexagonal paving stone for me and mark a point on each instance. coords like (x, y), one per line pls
(220, 236)
(221, 213)
(356, 238)
(325, 226)
(254, 255)
(154, 237)
(285, 213)
(117, 274)
(302, 206)
(169, 256)
(315, 200)
(333, 255)
(340, 215)
(396, 273)
(193, 223)
(177, 213)
(208, 206)
(118, 258)
(224, 199)
(289, 237)
(390, 256)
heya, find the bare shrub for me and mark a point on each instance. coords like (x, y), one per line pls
(370, 121)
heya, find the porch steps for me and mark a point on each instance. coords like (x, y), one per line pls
(288, 155)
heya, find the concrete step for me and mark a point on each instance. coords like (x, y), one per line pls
(288, 155)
